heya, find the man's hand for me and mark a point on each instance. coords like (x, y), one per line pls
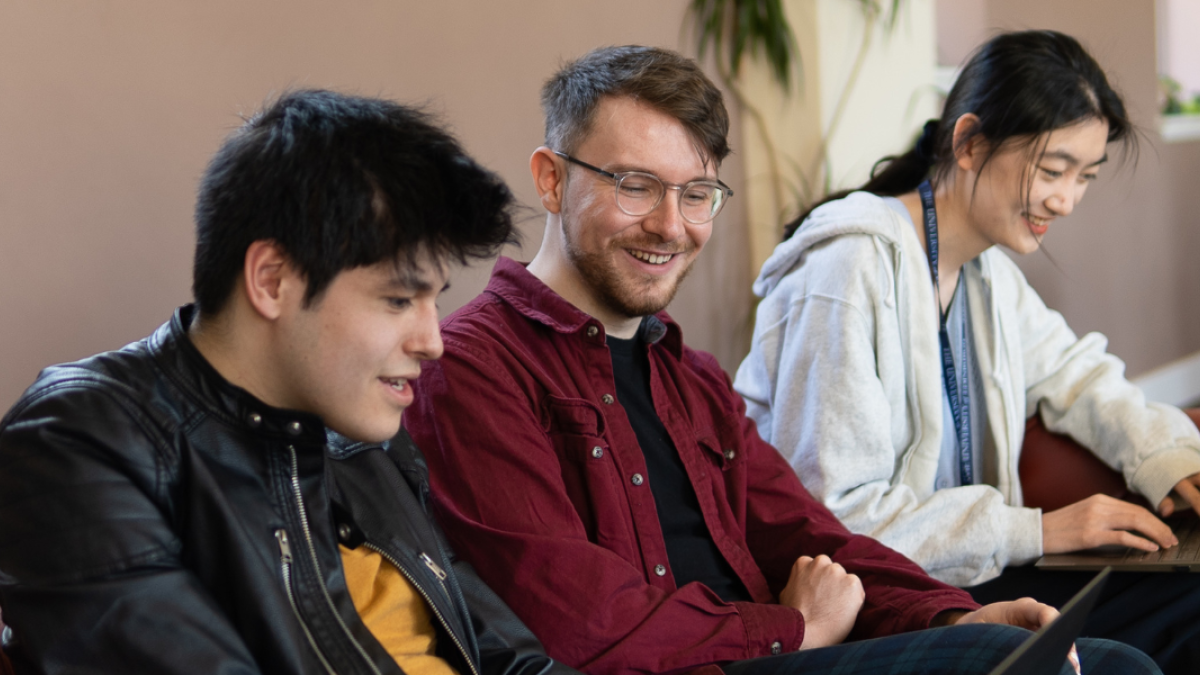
(1024, 613)
(827, 595)
(1101, 520)
(1188, 490)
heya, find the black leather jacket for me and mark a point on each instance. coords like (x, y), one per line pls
(156, 519)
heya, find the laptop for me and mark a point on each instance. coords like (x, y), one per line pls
(1183, 557)
(1044, 652)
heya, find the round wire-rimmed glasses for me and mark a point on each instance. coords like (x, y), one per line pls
(638, 193)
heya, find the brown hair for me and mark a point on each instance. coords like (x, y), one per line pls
(660, 78)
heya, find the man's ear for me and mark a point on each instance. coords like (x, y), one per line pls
(269, 278)
(549, 178)
(970, 148)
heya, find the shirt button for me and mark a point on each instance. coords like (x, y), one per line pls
(776, 648)
(597, 452)
(607, 399)
(660, 570)
(344, 532)
(254, 419)
(730, 454)
(592, 331)
(294, 428)
(637, 479)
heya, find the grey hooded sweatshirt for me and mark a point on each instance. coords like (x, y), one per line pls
(844, 378)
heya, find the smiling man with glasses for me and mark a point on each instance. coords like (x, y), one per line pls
(608, 483)
(639, 193)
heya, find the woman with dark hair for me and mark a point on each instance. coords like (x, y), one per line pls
(898, 352)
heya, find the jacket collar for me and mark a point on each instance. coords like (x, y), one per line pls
(184, 364)
(536, 301)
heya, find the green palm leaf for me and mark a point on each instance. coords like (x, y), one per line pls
(735, 28)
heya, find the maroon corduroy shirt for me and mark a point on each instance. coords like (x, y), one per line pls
(540, 483)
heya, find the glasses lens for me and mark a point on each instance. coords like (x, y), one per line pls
(700, 202)
(639, 193)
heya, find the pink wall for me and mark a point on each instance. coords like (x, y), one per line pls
(109, 110)
(961, 25)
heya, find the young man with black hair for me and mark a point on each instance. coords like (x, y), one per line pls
(226, 495)
(610, 484)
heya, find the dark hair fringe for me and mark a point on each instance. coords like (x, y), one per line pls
(340, 182)
(1021, 85)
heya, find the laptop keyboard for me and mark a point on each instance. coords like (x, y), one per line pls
(1187, 531)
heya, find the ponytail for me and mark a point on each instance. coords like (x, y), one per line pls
(891, 176)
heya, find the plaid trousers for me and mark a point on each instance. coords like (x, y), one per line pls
(1157, 613)
(972, 649)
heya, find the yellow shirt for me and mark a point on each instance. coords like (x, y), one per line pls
(393, 610)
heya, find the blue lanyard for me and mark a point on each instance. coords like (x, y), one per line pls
(960, 399)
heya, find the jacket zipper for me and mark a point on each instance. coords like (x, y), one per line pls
(312, 549)
(441, 575)
(285, 562)
(433, 567)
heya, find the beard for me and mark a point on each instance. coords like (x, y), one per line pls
(623, 294)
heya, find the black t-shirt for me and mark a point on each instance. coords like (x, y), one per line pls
(690, 549)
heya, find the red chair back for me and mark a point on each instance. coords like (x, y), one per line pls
(1056, 471)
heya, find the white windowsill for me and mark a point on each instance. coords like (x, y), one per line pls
(1179, 128)
(1176, 383)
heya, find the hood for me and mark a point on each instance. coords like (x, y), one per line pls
(857, 213)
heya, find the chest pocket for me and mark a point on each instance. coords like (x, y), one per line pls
(722, 450)
(576, 429)
(722, 446)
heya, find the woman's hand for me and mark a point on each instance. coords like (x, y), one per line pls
(1101, 520)
(1188, 490)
